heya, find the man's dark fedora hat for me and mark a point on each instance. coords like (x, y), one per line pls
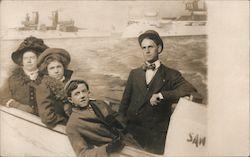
(31, 43)
(153, 35)
(54, 51)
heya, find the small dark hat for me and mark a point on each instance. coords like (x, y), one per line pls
(153, 35)
(31, 43)
(54, 51)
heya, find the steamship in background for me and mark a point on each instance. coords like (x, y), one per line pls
(32, 24)
(186, 25)
(57, 29)
(194, 23)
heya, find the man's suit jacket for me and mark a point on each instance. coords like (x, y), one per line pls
(135, 105)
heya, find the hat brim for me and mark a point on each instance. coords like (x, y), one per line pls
(16, 56)
(52, 51)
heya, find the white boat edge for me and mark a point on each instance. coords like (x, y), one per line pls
(188, 115)
(60, 129)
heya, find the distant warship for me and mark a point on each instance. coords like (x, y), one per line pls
(57, 30)
(186, 25)
(32, 24)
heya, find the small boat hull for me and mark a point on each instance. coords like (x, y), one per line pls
(23, 134)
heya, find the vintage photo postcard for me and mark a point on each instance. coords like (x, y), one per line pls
(124, 78)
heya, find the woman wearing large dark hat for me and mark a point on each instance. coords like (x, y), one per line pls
(53, 65)
(25, 78)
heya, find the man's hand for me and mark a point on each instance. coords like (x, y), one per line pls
(155, 99)
(115, 146)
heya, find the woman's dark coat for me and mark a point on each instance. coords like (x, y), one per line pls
(51, 100)
(23, 90)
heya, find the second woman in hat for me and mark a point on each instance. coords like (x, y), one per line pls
(53, 64)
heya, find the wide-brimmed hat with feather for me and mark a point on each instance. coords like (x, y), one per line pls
(32, 44)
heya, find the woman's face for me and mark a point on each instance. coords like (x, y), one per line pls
(29, 61)
(55, 69)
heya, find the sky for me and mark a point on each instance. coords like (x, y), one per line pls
(87, 14)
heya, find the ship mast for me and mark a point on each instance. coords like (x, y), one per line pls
(196, 8)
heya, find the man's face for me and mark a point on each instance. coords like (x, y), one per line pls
(29, 61)
(80, 96)
(150, 50)
(55, 70)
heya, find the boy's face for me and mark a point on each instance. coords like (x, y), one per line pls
(80, 96)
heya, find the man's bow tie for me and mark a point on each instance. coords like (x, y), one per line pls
(150, 66)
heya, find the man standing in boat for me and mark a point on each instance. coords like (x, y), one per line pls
(149, 94)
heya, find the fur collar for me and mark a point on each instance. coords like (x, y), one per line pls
(55, 86)
(20, 75)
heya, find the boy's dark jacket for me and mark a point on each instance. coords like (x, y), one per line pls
(86, 129)
(107, 115)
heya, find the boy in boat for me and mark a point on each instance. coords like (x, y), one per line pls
(92, 128)
(149, 93)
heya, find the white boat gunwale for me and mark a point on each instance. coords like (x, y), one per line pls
(35, 120)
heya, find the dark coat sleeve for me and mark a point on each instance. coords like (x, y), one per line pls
(126, 98)
(8, 93)
(80, 145)
(45, 103)
(22, 107)
(179, 87)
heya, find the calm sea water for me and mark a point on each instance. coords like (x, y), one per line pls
(105, 62)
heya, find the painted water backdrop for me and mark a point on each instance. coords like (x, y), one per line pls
(105, 62)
